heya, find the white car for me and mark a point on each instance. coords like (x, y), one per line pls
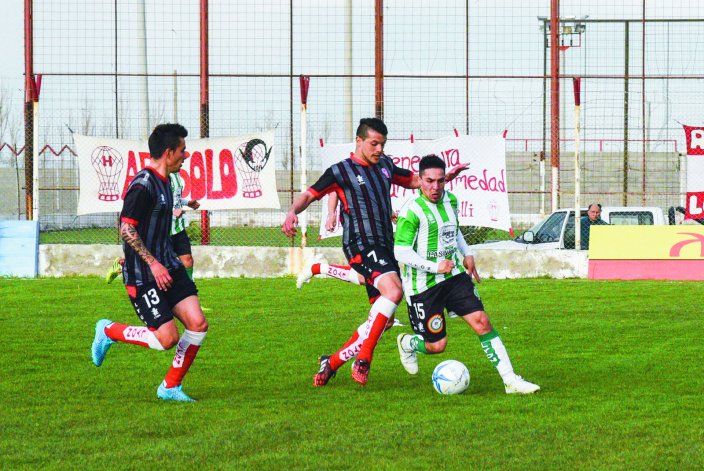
(556, 231)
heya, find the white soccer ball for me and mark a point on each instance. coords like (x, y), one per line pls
(450, 377)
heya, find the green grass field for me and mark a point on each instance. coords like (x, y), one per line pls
(618, 364)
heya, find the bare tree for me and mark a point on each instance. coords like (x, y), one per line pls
(9, 137)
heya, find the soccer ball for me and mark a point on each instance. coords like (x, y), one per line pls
(450, 377)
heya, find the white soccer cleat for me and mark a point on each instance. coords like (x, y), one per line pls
(521, 386)
(306, 273)
(409, 360)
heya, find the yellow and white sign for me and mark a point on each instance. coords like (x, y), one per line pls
(681, 242)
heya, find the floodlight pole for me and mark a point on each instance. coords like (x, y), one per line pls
(576, 84)
(204, 105)
(29, 108)
(379, 58)
(555, 101)
(304, 83)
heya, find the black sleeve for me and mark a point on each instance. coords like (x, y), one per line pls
(139, 202)
(325, 184)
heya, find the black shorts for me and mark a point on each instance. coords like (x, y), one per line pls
(181, 243)
(153, 305)
(371, 263)
(426, 311)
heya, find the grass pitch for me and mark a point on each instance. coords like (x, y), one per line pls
(619, 365)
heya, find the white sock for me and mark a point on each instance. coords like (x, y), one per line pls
(339, 272)
(140, 335)
(496, 353)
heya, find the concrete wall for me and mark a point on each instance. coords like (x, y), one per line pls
(68, 259)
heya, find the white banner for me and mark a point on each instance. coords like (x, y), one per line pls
(481, 190)
(221, 173)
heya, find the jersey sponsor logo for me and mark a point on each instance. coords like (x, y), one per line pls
(441, 253)
(448, 234)
(435, 323)
(360, 180)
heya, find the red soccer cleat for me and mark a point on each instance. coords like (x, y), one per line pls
(325, 373)
(360, 371)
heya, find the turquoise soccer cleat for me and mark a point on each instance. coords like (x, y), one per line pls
(101, 342)
(173, 394)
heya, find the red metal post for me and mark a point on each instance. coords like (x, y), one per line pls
(379, 58)
(204, 105)
(555, 99)
(29, 97)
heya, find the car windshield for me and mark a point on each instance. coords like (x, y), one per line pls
(549, 230)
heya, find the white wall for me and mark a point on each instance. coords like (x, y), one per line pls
(223, 262)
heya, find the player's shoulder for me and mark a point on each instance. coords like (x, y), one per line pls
(143, 180)
(451, 197)
(410, 207)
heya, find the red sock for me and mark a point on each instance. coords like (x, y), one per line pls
(136, 335)
(342, 355)
(186, 352)
(378, 327)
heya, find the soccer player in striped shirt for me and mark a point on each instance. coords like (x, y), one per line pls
(363, 184)
(179, 237)
(155, 279)
(437, 275)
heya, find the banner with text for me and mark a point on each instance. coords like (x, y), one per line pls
(481, 190)
(221, 173)
(694, 205)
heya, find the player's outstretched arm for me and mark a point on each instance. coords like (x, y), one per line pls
(300, 203)
(454, 171)
(331, 220)
(129, 234)
(412, 181)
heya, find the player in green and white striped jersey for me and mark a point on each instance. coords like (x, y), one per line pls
(179, 238)
(436, 276)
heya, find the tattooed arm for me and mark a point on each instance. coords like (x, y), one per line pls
(129, 234)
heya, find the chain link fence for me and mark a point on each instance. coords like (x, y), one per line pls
(117, 68)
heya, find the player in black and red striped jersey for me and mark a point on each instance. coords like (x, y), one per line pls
(363, 184)
(156, 280)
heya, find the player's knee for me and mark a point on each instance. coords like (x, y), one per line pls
(168, 341)
(436, 347)
(483, 325)
(200, 326)
(394, 294)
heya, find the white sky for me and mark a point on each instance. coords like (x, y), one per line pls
(12, 41)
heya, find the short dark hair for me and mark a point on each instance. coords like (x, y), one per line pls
(165, 136)
(430, 161)
(593, 204)
(366, 124)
